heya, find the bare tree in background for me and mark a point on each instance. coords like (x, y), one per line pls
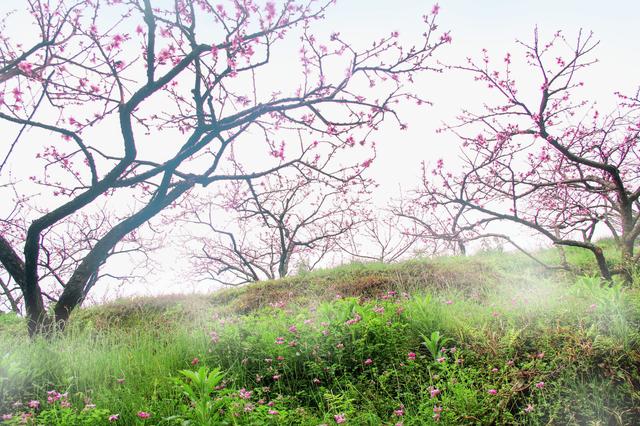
(276, 222)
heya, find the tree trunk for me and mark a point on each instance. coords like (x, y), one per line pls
(602, 263)
(463, 249)
(627, 260)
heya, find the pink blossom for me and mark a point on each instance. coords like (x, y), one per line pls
(492, 392)
(244, 394)
(270, 7)
(441, 359)
(540, 385)
(448, 302)
(273, 412)
(293, 329)
(195, 361)
(25, 67)
(276, 377)
(368, 361)
(7, 416)
(435, 9)
(399, 412)
(446, 37)
(279, 340)
(411, 356)
(434, 392)
(144, 414)
(34, 403)
(529, 408)
(114, 417)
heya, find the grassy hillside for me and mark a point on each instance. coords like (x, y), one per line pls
(489, 339)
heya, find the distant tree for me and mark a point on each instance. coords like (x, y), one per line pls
(543, 161)
(442, 226)
(275, 222)
(380, 237)
(139, 102)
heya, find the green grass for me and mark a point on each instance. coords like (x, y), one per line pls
(336, 344)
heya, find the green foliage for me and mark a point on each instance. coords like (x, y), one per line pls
(434, 343)
(488, 340)
(201, 408)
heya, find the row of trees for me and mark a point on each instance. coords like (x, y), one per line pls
(136, 119)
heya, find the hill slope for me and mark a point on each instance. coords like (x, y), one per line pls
(490, 339)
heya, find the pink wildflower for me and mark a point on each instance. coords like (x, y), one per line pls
(441, 359)
(368, 361)
(340, 418)
(434, 392)
(195, 361)
(437, 410)
(273, 412)
(35, 404)
(244, 394)
(448, 302)
(529, 408)
(492, 392)
(293, 329)
(144, 414)
(411, 356)
(279, 340)
(540, 385)
(114, 417)
(276, 377)
(7, 416)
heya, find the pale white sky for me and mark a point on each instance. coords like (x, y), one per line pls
(474, 24)
(477, 24)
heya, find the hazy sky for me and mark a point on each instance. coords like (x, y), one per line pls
(495, 25)
(474, 24)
